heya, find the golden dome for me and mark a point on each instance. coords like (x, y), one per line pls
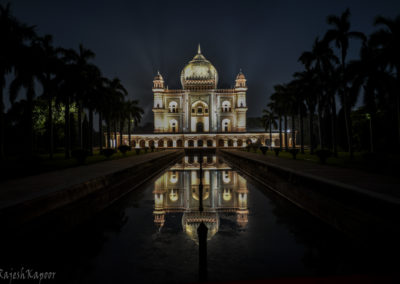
(158, 77)
(240, 75)
(199, 73)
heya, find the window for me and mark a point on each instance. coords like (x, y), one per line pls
(206, 110)
(193, 110)
(199, 110)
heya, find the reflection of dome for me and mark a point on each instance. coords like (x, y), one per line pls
(196, 193)
(199, 73)
(191, 221)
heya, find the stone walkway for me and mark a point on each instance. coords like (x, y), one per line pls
(380, 186)
(16, 191)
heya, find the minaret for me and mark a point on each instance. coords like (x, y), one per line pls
(158, 107)
(241, 107)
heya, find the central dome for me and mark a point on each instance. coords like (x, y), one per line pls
(199, 73)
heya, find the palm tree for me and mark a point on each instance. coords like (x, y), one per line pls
(341, 35)
(27, 71)
(387, 42)
(50, 80)
(83, 83)
(134, 114)
(13, 33)
(269, 121)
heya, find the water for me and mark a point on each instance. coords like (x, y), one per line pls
(149, 236)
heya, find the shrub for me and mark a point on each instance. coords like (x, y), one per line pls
(264, 149)
(323, 154)
(108, 152)
(124, 148)
(80, 155)
(137, 150)
(294, 153)
(277, 150)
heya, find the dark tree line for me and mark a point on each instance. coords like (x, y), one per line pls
(325, 93)
(72, 91)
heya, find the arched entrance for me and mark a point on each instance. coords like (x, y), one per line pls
(230, 143)
(179, 143)
(209, 143)
(240, 143)
(160, 143)
(221, 143)
(191, 143)
(199, 127)
(142, 144)
(169, 143)
(200, 143)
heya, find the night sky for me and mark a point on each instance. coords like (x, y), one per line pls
(134, 39)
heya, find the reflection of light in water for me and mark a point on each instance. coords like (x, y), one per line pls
(173, 195)
(227, 194)
(225, 177)
(178, 191)
(158, 199)
(174, 177)
(196, 193)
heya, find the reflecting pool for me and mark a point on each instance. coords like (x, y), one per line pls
(150, 235)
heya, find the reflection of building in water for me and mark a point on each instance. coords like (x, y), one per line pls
(177, 190)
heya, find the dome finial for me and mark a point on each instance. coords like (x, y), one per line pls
(158, 72)
(198, 49)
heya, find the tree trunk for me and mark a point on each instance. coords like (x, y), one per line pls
(301, 132)
(346, 110)
(286, 136)
(321, 143)
(280, 132)
(293, 133)
(2, 123)
(80, 138)
(108, 133)
(121, 129)
(270, 133)
(51, 134)
(115, 135)
(100, 132)
(67, 129)
(334, 132)
(90, 134)
(311, 133)
(30, 95)
(129, 132)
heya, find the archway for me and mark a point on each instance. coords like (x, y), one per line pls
(226, 125)
(209, 143)
(240, 143)
(151, 143)
(170, 143)
(230, 143)
(161, 143)
(267, 142)
(200, 143)
(142, 144)
(191, 143)
(179, 143)
(173, 125)
(221, 143)
(199, 127)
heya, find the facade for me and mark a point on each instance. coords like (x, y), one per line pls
(199, 107)
(199, 114)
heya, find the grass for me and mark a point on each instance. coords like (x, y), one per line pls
(17, 167)
(382, 163)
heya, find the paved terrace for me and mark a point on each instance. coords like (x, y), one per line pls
(18, 191)
(378, 186)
